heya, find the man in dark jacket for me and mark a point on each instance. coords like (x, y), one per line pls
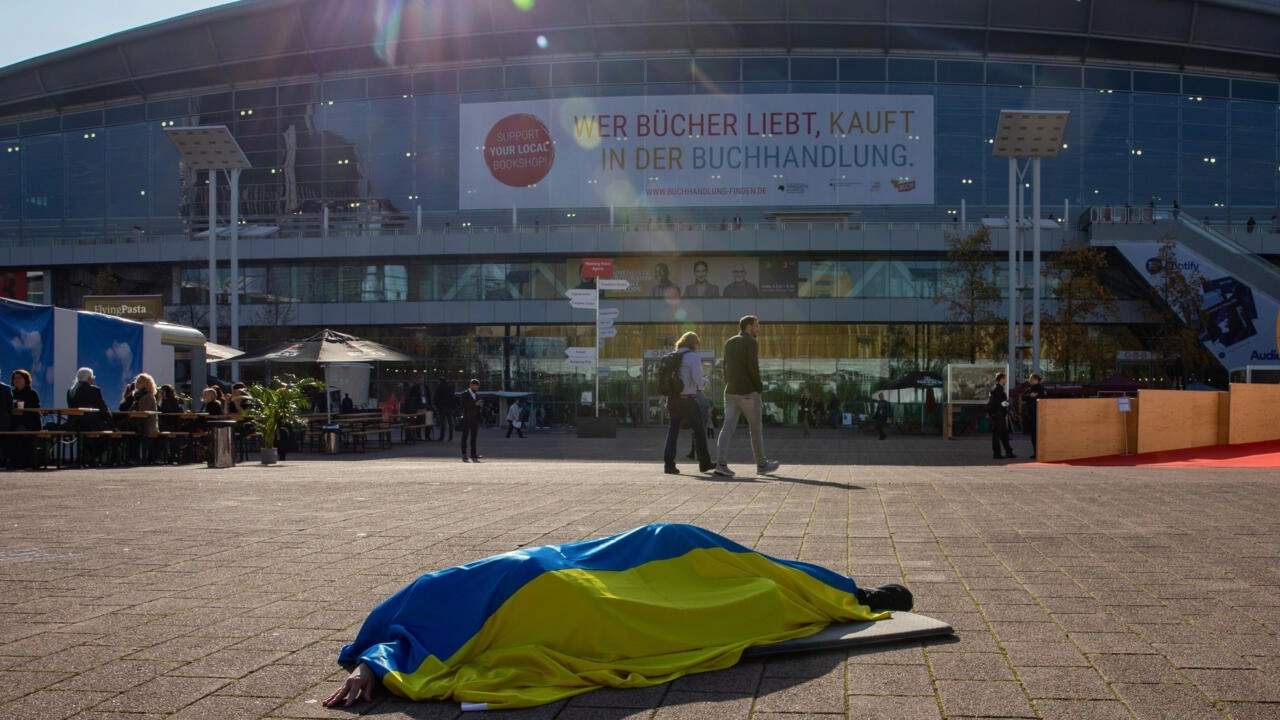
(84, 394)
(446, 406)
(1035, 390)
(417, 401)
(742, 395)
(998, 412)
(472, 406)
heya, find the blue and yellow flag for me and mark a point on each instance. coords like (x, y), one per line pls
(641, 608)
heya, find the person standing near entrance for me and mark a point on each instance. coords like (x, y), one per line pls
(685, 408)
(742, 396)
(998, 412)
(881, 415)
(446, 405)
(472, 407)
(804, 411)
(1030, 397)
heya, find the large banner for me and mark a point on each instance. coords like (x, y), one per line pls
(112, 347)
(1238, 318)
(697, 150)
(27, 334)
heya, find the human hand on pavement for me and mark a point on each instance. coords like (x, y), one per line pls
(357, 686)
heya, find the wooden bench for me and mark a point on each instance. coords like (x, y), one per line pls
(52, 444)
(114, 450)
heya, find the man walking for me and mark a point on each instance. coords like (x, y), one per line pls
(472, 406)
(998, 412)
(742, 388)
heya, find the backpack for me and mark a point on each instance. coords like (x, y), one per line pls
(669, 382)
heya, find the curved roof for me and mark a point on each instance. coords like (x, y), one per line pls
(254, 42)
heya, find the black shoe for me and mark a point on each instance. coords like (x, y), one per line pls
(706, 468)
(465, 459)
(671, 470)
(476, 458)
(886, 597)
(1011, 455)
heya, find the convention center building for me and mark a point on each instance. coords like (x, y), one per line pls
(440, 175)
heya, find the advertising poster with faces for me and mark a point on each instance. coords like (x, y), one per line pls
(693, 277)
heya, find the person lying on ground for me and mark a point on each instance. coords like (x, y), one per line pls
(537, 625)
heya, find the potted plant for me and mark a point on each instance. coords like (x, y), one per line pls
(277, 408)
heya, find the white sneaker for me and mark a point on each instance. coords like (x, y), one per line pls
(768, 466)
(723, 470)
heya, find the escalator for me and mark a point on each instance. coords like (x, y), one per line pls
(1241, 289)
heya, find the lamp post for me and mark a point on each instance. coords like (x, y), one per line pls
(212, 148)
(1032, 134)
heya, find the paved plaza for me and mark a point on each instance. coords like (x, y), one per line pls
(1081, 593)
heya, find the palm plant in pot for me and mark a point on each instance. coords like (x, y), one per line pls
(276, 409)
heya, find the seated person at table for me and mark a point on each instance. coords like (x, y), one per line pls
(22, 451)
(148, 428)
(209, 402)
(537, 625)
(239, 397)
(85, 395)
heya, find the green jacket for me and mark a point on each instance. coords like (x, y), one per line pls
(742, 365)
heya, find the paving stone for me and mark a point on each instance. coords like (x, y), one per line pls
(232, 597)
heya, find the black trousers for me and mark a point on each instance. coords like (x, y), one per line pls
(444, 419)
(1000, 436)
(470, 429)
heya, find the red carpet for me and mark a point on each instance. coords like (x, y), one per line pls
(1252, 455)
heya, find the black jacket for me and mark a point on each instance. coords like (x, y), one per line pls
(742, 365)
(996, 402)
(84, 395)
(472, 407)
(30, 399)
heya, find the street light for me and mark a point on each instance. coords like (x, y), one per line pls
(1030, 134)
(212, 148)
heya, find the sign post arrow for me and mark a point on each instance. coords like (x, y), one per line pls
(581, 298)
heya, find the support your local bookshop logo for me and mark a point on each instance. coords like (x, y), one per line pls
(519, 151)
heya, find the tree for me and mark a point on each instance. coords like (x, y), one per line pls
(106, 282)
(1081, 299)
(967, 284)
(1179, 296)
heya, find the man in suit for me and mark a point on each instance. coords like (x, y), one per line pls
(472, 406)
(998, 412)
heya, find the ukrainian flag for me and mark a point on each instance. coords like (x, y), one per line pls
(530, 627)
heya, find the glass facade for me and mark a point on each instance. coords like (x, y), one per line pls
(379, 153)
(388, 144)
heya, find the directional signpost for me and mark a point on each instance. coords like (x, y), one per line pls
(601, 270)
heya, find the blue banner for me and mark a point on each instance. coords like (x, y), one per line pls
(27, 333)
(113, 349)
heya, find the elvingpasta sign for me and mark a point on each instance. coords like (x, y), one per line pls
(697, 150)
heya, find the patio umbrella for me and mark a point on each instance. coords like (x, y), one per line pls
(213, 352)
(328, 346)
